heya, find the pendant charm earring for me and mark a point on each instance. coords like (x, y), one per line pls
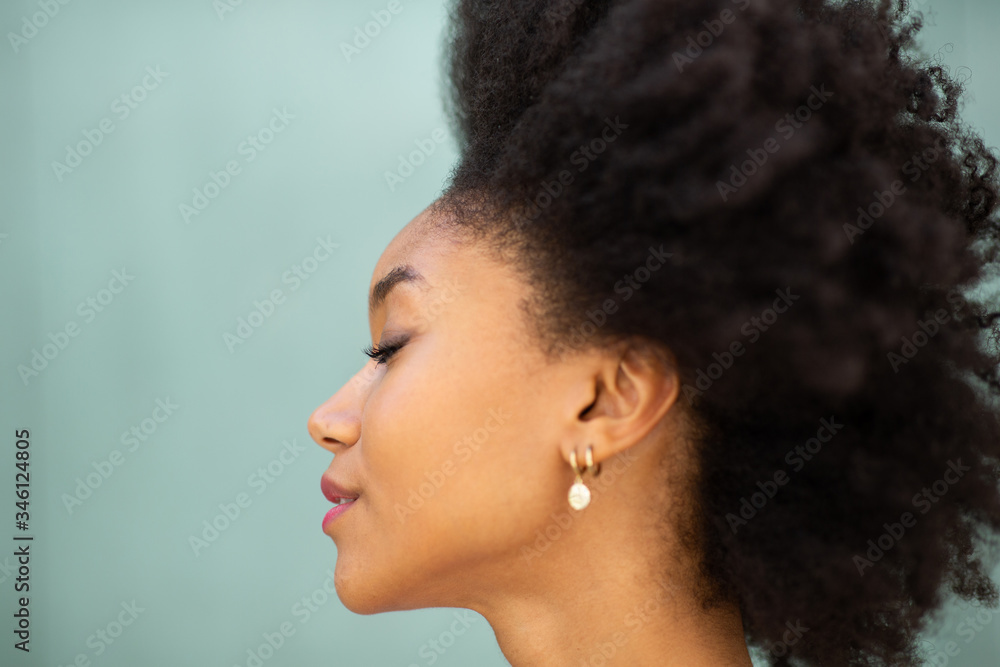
(579, 494)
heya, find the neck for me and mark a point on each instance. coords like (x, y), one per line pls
(615, 623)
(594, 596)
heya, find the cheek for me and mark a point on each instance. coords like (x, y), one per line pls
(459, 449)
(457, 464)
(410, 425)
(417, 417)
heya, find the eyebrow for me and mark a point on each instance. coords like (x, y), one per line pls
(399, 274)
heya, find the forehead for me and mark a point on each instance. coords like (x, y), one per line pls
(451, 261)
(421, 243)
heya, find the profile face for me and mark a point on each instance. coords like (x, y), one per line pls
(448, 445)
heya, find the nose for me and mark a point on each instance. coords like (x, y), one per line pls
(336, 424)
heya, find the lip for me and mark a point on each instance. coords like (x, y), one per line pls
(334, 512)
(336, 493)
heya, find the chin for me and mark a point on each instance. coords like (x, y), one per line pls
(361, 592)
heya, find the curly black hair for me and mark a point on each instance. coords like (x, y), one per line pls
(821, 215)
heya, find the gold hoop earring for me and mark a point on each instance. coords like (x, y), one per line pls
(579, 494)
(591, 468)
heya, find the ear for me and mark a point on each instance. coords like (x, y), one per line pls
(632, 387)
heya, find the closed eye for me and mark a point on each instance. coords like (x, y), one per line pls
(383, 352)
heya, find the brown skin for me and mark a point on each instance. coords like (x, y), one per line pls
(612, 574)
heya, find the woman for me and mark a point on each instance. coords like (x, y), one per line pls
(683, 359)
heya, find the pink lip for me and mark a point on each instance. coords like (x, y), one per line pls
(335, 494)
(333, 491)
(335, 512)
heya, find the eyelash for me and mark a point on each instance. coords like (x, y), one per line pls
(383, 353)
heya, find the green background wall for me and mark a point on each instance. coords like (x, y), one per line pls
(222, 75)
